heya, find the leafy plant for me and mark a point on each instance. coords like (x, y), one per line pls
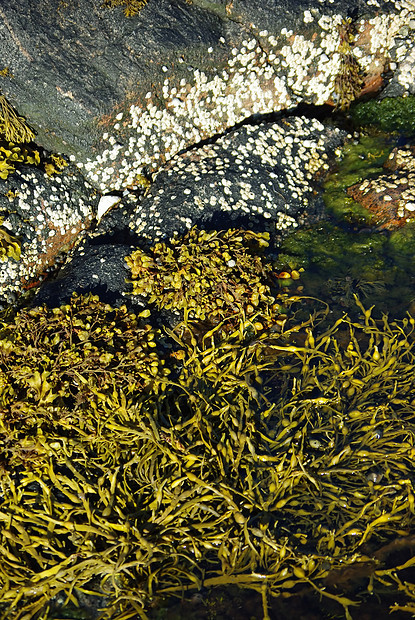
(207, 275)
(134, 466)
(9, 246)
(12, 155)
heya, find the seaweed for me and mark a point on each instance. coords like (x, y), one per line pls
(136, 465)
(207, 275)
(349, 81)
(10, 246)
(131, 7)
(10, 155)
(13, 127)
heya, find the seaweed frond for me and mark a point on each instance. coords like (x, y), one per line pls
(131, 7)
(13, 127)
(348, 82)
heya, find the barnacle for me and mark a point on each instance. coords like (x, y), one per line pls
(348, 81)
(131, 7)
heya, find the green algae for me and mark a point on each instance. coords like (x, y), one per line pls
(340, 262)
(360, 159)
(390, 114)
(347, 254)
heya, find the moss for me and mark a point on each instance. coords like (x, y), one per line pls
(389, 114)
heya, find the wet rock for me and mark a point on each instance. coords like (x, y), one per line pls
(98, 269)
(263, 177)
(121, 94)
(41, 217)
(390, 197)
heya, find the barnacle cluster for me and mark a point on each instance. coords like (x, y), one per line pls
(207, 274)
(134, 466)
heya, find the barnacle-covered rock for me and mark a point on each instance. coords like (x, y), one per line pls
(263, 177)
(46, 208)
(390, 196)
(120, 94)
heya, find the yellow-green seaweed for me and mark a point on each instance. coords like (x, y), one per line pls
(266, 461)
(207, 274)
(12, 126)
(10, 247)
(131, 7)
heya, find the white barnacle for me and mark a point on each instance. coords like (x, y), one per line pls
(105, 203)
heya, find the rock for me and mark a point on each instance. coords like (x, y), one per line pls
(390, 197)
(263, 177)
(121, 94)
(98, 269)
(41, 217)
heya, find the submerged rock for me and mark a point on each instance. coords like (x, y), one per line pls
(390, 197)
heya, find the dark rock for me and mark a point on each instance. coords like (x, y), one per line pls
(98, 269)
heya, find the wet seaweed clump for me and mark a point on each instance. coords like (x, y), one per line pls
(10, 246)
(275, 462)
(209, 275)
(131, 7)
(349, 81)
(56, 365)
(12, 126)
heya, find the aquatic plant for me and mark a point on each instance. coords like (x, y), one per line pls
(13, 127)
(131, 7)
(11, 155)
(135, 466)
(10, 247)
(207, 275)
(389, 114)
(348, 82)
(55, 164)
